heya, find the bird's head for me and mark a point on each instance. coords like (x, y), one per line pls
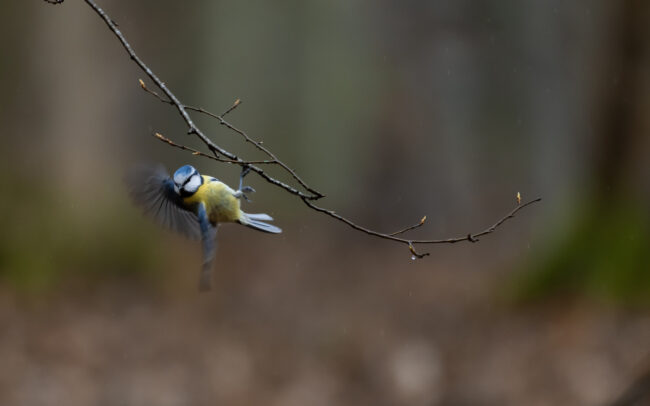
(187, 180)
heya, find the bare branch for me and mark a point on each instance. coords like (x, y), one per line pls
(222, 155)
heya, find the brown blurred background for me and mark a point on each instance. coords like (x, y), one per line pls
(394, 109)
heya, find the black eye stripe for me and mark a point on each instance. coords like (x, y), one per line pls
(188, 179)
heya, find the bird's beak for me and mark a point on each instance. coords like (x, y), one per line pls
(176, 189)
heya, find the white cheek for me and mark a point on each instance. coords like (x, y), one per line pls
(193, 184)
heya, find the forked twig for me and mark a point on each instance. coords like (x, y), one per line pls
(274, 160)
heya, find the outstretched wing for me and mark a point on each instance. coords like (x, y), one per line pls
(152, 189)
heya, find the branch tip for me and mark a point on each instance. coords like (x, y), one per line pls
(220, 118)
(409, 228)
(415, 255)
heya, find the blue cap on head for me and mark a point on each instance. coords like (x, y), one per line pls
(183, 173)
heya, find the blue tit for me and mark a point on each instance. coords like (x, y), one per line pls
(194, 205)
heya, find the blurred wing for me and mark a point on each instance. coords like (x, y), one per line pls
(208, 236)
(152, 189)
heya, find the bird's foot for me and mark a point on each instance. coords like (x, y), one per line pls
(241, 193)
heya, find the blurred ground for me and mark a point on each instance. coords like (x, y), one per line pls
(288, 332)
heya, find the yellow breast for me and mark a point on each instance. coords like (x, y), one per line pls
(220, 204)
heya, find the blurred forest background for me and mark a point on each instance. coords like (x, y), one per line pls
(394, 109)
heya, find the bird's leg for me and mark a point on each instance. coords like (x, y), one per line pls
(244, 172)
(244, 189)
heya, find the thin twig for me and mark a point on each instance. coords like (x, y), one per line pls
(219, 153)
(413, 227)
(259, 146)
(234, 106)
(203, 154)
(472, 237)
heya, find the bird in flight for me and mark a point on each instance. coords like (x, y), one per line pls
(194, 205)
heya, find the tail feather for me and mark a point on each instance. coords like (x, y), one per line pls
(252, 221)
(259, 216)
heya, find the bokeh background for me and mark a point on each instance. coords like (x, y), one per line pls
(394, 109)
